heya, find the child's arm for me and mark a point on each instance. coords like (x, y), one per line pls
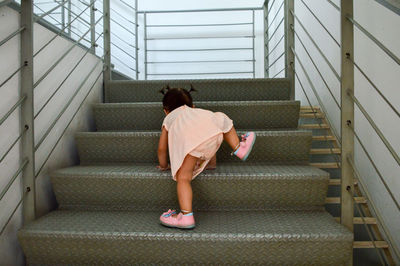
(162, 150)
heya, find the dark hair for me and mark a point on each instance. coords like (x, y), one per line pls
(176, 97)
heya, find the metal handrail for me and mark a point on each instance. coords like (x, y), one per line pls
(375, 87)
(66, 127)
(59, 33)
(211, 73)
(16, 174)
(316, 94)
(200, 37)
(12, 35)
(12, 214)
(276, 29)
(276, 45)
(276, 60)
(320, 22)
(64, 109)
(375, 40)
(65, 79)
(12, 145)
(198, 50)
(199, 10)
(198, 25)
(12, 75)
(375, 127)
(270, 8)
(50, 11)
(122, 1)
(316, 68)
(12, 109)
(122, 50)
(374, 166)
(276, 15)
(333, 4)
(199, 61)
(316, 46)
(278, 73)
(64, 55)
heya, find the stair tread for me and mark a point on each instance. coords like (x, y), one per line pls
(210, 103)
(236, 225)
(223, 171)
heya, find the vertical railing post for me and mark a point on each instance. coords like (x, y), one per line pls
(347, 113)
(253, 43)
(69, 17)
(145, 45)
(289, 43)
(93, 29)
(63, 16)
(266, 45)
(137, 39)
(107, 47)
(27, 120)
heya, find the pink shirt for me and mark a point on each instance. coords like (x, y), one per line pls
(188, 128)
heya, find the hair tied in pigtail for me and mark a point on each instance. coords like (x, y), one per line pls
(192, 88)
(162, 91)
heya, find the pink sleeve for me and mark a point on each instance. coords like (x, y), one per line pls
(165, 123)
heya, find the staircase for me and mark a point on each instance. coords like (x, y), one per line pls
(267, 210)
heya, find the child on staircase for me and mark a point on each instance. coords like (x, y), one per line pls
(193, 136)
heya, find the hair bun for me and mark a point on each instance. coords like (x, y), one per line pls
(192, 88)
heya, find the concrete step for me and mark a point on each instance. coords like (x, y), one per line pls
(207, 90)
(231, 186)
(254, 237)
(149, 116)
(99, 148)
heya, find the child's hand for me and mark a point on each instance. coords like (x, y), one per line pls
(163, 168)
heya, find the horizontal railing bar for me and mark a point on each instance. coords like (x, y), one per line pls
(374, 86)
(12, 215)
(12, 145)
(333, 4)
(45, 3)
(199, 50)
(374, 166)
(200, 10)
(278, 73)
(69, 123)
(58, 33)
(12, 75)
(200, 25)
(320, 22)
(65, 79)
(64, 109)
(123, 63)
(51, 10)
(276, 60)
(315, 93)
(276, 15)
(200, 37)
(115, 35)
(122, 1)
(276, 45)
(319, 72)
(122, 50)
(375, 40)
(7, 187)
(15, 106)
(375, 127)
(12, 35)
(316, 46)
(270, 8)
(200, 61)
(211, 73)
(64, 55)
(121, 16)
(276, 29)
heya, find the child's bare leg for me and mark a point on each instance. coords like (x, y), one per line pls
(184, 179)
(232, 138)
(212, 164)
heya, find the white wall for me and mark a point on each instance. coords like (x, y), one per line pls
(382, 70)
(65, 152)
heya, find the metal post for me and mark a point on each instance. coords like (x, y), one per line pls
(347, 114)
(107, 47)
(137, 39)
(93, 29)
(69, 18)
(289, 42)
(27, 120)
(254, 54)
(266, 45)
(145, 45)
(63, 16)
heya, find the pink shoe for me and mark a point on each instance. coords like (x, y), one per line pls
(181, 221)
(246, 145)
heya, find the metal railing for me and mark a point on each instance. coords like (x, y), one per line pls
(28, 168)
(348, 134)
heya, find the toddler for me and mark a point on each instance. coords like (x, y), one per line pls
(192, 136)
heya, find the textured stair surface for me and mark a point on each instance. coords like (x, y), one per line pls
(207, 90)
(229, 187)
(149, 116)
(290, 146)
(257, 237)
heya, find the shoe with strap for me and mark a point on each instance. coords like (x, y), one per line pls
(245, 146)
(183, 221)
